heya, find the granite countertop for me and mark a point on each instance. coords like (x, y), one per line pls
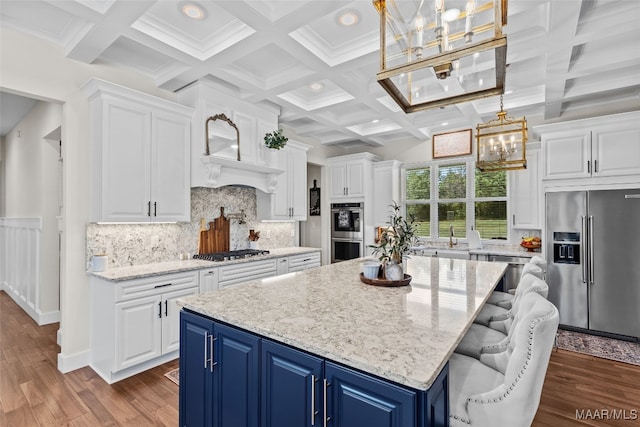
(167, 267)
(404, 334)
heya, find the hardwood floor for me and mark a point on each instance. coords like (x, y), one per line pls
(34, 393)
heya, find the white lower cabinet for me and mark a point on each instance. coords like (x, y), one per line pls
(208, 280)
(135, 323)
(283, 265)
(304, 261)
(237, 273)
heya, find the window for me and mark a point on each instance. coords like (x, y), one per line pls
(418, 193)
(491, 204)
(452, 195)
(456, 196)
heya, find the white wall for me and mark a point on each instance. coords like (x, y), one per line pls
(311, 229)
(31, 190)
(32, 67)
(2, 179)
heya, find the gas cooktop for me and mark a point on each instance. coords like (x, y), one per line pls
(226, 256)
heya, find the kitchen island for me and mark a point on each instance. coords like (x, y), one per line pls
(330, 346)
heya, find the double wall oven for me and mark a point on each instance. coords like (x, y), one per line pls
(347, 231)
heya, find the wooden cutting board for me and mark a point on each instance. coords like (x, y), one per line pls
(216, 238)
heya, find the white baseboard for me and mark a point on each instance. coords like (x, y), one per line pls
(68, 363)
(48, 318)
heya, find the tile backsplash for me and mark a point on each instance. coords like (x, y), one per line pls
(133, 244)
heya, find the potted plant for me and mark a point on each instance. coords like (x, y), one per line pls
(396, 240)
(275, 139)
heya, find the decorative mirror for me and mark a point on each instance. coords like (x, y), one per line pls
(223, 139)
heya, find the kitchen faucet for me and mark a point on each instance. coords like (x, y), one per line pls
(451, 234)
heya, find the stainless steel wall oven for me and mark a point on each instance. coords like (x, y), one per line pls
(347, 231)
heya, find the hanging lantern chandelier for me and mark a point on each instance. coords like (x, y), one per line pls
(435, 53)
(501, 143)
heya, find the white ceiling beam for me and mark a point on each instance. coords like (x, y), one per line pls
(563, 23)
(88, 46)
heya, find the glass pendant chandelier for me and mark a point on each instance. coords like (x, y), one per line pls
(501, 143)
(440, 52)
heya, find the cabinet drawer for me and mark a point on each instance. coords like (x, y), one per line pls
(238, 273)
(304, 261)
(139, 288)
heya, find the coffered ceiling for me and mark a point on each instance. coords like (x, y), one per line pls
(566, 59)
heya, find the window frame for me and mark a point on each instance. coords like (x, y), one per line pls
(470, 199)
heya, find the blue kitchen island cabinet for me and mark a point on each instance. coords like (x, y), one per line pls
(219, 374)
(222, 381)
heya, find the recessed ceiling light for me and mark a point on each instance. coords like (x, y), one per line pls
(375, 121)
(508, 92)
(193, 11)
(444, 123)
(316, 86)
(348, 18)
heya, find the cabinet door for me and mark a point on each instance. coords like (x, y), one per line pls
(170, 186)
(524, 193)
(616, 151)
(196, 378)
(138, 331)
(337, 181)
(171, 319)
(297, 176)
(236, 378)
(208, 280)
(280, 199)
(125, 147)
(291, 385)
(567, 154)
(358, 400)
(283, 265)
(355, 179)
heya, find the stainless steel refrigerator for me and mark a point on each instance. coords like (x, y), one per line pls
(593, 253)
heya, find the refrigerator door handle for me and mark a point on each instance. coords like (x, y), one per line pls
(591, 270)
(582, 250)
(632, 196)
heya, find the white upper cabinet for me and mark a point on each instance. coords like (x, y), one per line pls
(289, 201)
(139, 156)
(524, 192)
(350, 176)
(595, 148)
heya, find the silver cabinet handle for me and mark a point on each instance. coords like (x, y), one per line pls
(588, 166)
(166, 308)
(513, 221)
(209, 360)
(591, 269)
(155, 208)
(327, 418)
(206, 335)
(160, 310)
(149, 208)
(595, 166)
(582, 250)
(314, 412)
(632, 196)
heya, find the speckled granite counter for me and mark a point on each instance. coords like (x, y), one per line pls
(159, 268)
(402, 334)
